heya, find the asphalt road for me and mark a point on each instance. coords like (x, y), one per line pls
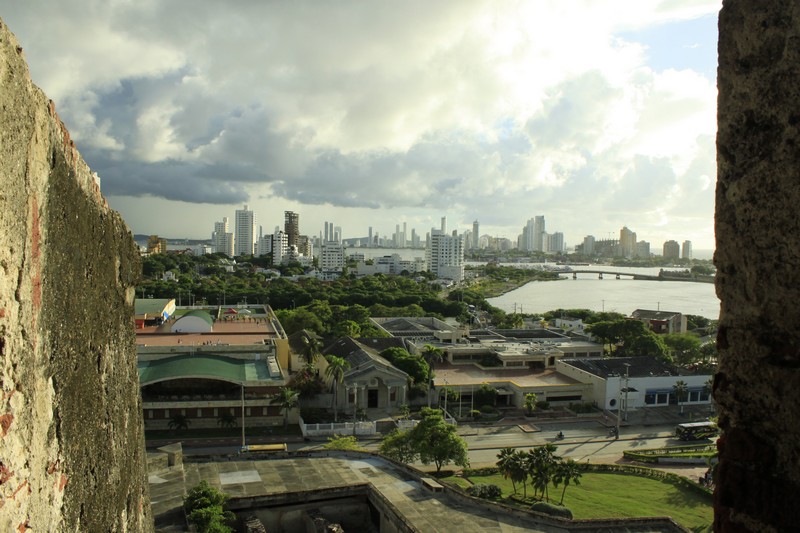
(584, 441)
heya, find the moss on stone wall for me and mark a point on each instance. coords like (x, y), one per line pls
(72, 447)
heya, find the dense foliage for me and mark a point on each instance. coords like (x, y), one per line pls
(432, 440)
(204, 507)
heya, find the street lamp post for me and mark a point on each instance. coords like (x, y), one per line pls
(244, 446)
(627, 389)
(355, 408)
(446, 386)
(619, 404)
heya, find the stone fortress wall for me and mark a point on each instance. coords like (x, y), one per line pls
(758, 254)
(71, 439)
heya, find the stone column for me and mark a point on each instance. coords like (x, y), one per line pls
(757, 387)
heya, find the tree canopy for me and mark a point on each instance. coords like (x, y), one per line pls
(432, 440)
(628, 338)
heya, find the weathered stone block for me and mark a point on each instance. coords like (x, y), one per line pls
(71, 439)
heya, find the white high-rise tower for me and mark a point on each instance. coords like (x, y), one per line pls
(245, 234)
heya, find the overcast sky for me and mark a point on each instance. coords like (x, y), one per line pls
(595, 114)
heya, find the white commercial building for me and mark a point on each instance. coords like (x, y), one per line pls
(331, 257)
(445, 255)
(222, 238)
(635, 382)
(245, 232)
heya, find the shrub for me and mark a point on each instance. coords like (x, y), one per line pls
(475, 414)
(341, 442)
(486, 395)
(204, 507)
(552, 510)
(488, 410)
(543, 405)
(485, 491)
(581, 407)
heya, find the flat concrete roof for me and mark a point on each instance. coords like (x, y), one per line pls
(468, 374)
(316, 473)
(234, 332)
(425, 510)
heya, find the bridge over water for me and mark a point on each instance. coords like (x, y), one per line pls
(663, 276)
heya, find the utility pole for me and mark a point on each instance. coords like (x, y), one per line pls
(244, 446)
(627, 375)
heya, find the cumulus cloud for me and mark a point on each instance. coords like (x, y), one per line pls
(473, 108)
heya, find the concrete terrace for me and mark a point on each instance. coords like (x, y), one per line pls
(319, 477)
(225, 332)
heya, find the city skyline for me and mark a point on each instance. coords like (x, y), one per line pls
(374, 115)
(550, 242)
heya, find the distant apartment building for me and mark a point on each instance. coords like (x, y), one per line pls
(555, 242)
(686, 252)
(244, 232)
(291, 226)
(627, 242)
(588, 245)
(222, 238)
(538, 233)
(476, 235)
(445, 255)
(156, 245)
(533, 236)
(662, 321)
(331, 257)
(672, 250)
(642, 250)
(304, 246)
(279, 246)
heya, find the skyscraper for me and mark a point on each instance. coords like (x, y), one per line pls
(687, 250)
(555, 242)
(627, 242)
(445, 255)
(222, 238)
(672, 250)
(244, 232)
(291, 226)
(538, 233)
(588, 245)
(476, 235)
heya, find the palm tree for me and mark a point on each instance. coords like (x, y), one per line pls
(179, 422)
(566, 472)
(681, 390)
(504, 464)
(311, 349)
(287, 399)
(541, 462)
(519, 471)
(530, 402)
(337, 366)
(432, 355)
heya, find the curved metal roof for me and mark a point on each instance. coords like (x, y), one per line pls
(204, 366)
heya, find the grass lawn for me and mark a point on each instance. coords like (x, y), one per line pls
(606, 495)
